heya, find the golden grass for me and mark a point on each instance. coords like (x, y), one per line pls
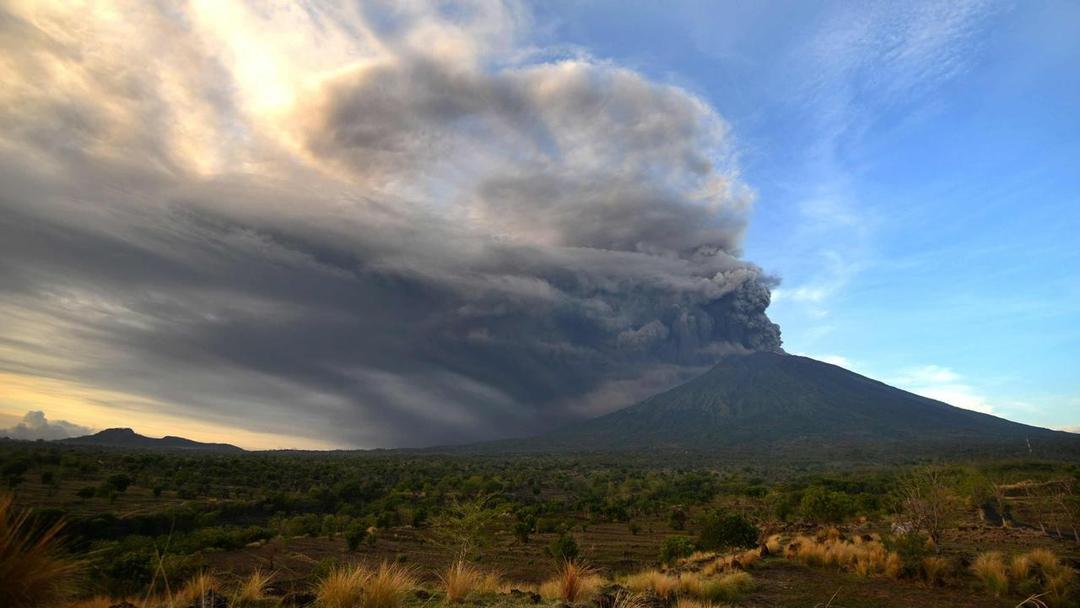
(1056, 577)
(343, 587)
(726, 587)
(251, 589)
(195, 589)
(773, 544)
(685, 602)
(99, 601)
(573, 582)
(934, 570)
(653, 580)
(863, 557)
(388, 586)
(461, 580)
(989, 568)
(32, 570)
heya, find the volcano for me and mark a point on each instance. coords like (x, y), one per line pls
(776, 400)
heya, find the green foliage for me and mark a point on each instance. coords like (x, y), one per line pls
(824, 506)
(677, 518)
(724, 530)
(355, 535)
(564, 548)
(675, 547)
(911, 548)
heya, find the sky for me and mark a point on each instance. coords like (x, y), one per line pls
(338, 224)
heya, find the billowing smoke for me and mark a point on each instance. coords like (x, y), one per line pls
(411, 233)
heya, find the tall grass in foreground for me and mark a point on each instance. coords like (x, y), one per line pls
(342, 587)
(989, 568)
(251, 589)
(573, 582)
(462, 579)
(388, 586)
(33, 571)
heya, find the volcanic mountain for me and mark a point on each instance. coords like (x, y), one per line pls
(769, 399)
(127, 438)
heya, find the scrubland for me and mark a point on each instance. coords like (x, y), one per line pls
(166, 530)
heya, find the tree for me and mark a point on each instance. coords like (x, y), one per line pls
(724, 530)
(465, 525)
(926, 500)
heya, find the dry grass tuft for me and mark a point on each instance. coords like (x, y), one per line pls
(195, 590)
(343, 587)
(728, 587)
(573, 582)
(773, 544)
(685, 602)
(894, 567)
(462, 579)
(1056, 577)
(388, 586)
(935, 569)
(653, 580)
(989, 568)
(32, 570)
(251, 589)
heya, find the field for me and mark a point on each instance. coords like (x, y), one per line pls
(142, 523)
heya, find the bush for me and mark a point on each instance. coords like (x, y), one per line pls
(564, 548)
(724, 530)
(823, 506)
(675, 547)
(355, 535)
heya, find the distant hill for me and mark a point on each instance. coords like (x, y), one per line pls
(773, 400)
(127, 438)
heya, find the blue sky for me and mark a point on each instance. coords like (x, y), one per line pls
(378, 224)
(916, 175)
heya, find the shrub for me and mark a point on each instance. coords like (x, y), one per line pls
(723, 530)
(675, 547)
(564, 548)
(823, 506)
(355, 535)
(32, 570)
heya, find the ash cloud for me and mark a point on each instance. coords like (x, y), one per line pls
(420, 242)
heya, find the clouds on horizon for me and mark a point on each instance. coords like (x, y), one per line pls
(35, 425)
(389, 226)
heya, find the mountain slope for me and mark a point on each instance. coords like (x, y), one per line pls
(127, 438)
(769, 398)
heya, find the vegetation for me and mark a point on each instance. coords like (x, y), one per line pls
(376, 529)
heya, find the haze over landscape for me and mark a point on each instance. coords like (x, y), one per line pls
(339, 225)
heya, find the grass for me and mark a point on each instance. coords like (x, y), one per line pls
(461, 580)
(388, 586)
(251, 589)
(195, 589)
(989, 569)
(343, 587)
(33, 571)
(934, 570)
(727, 587)
(573, 582)
(655, 581)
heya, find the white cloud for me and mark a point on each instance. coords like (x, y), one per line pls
(35, 426)
(947, 385)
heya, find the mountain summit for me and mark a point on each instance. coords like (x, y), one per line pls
(127, 438)
(773, 399)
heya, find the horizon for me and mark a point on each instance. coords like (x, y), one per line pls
(354, 226)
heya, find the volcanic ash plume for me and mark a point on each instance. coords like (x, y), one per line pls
(411, 232)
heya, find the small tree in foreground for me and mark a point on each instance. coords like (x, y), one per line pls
(724, 530)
